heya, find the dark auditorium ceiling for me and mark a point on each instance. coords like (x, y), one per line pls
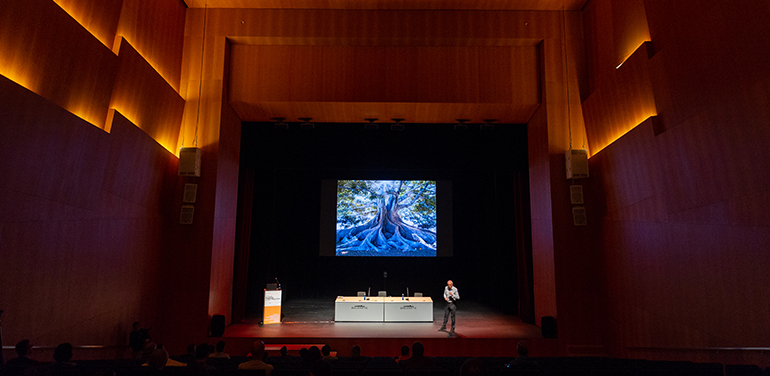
(393, 4)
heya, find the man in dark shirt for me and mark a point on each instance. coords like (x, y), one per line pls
(138, 338)
(522, 360)
(17, 365)
(418, 359)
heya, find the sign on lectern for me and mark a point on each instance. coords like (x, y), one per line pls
(272, 311)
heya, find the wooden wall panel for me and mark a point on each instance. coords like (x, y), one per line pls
(614, 29)
(682, 203)
(362, 74)
(544, 280)
(624, 101)
(156, 29)
(356, 112)
(80, 224)
(392, 4)
(223, 256)
(99, 17)
(48, 52)
(352, 27)
(358, 74)
(146, 98)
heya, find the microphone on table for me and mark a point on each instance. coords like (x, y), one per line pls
(279, 283)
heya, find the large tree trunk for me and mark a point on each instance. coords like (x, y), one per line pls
(386, 232)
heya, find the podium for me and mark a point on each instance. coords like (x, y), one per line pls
(272, 312)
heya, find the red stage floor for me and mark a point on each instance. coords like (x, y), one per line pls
(482, 331)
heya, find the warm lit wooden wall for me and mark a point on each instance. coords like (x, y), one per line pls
(46, 51)
(67, 60)
(474, 82)
(682, 203)
(346, 65)
(83, 208)
(393, 4)
(617, 95)
(99, 17)
(624, 100)
(80, 226)
(144, 97)
(156, 30)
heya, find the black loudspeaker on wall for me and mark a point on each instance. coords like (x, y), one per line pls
(548, 326)
(217, 325)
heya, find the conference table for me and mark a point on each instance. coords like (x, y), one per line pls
(383, 309)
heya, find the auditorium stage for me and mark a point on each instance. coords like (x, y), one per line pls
(311, 321)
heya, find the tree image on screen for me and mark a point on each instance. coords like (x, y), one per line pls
(386, 218)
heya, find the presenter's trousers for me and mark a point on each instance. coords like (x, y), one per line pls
(449, 310)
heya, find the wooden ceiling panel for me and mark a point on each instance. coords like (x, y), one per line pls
(393, 4)
(356, 112)
(376, 81)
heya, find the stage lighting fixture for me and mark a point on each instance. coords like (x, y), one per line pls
(488, 126)
(461, 126)
(397, 126)
(371, 126)
(279, 124)
(306, 124)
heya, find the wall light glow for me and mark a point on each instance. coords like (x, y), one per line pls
(80, 16)
(617, 135)
(20, 76)
(629, 55)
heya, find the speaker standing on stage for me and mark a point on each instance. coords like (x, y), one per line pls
(450, 295)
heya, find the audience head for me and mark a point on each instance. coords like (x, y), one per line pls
(191, 349)
(313, 354)
(418, 349)
(220, 346)
(135, 326)
(158, 359)
(303, 352)
(23, 348)
(355, 352)
(472, 367)
(326, 350)
(522, 348)
(284, 351)
(202, 351)
(63, 353)
(321, 368)
(404, 350)
(258, 350)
